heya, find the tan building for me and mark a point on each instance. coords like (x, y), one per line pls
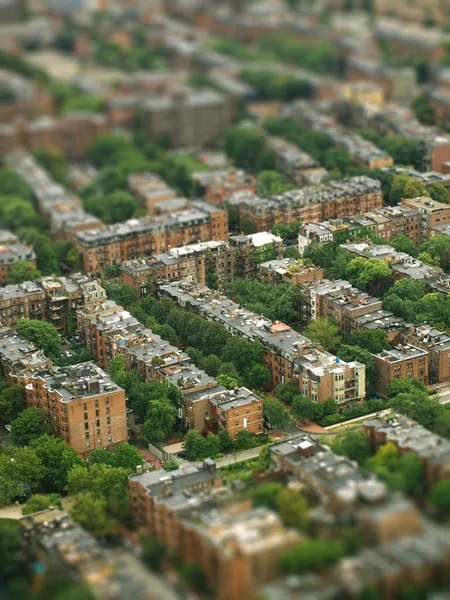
(401, 361)
(154, 194)
(432, 213)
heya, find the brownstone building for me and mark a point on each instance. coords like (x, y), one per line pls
(10, 253)
(135, 238)
(432, 213)
(408, 436)
(288, 270)
(437, 344)
(401, 361)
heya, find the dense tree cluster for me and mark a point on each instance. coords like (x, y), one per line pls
(314, 56)
(270, 85)
(274, 302)
(247, 148)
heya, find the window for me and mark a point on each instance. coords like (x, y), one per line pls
(97, 413)
(86, 435)
(86, 425)
(88, 444)
(107, 411)
(109, 438)
(96, 404)
(108, 420)
(85, 416)
(106, 401)
(98, 422)
(109, 429)
(84, 406)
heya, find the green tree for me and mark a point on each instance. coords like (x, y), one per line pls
(256, 377)
(432, 261)
(16, 213)
(13, 184)
(22, 271)
(437, 246)
(424, 111)
(153, 553)
(10, 551)
(103, 481)
(271, 183)
(44, 247)
(194, 576)
(125, 455)
(43, 334)
(106, 149)
(228, 381)
(292, 508)
(211, 446)
(311, 554)
(36, 503)
(276, 414)
(193, 444)
(248, 225)
(303, 408)
(370, 275)
(351, 353)
(12, 402)
(286, 392)
(29, 426)
(91, 512)
(374, 340)
(266, 495)
(353, 444)
(161, 416)
(405, 385)
(123, 294)
(402, 243)
(438, 192)
(53, 160)
(440, 496)
(115, 207)
(325, 331)
(58, 458)
(211, 364)
(226, 443)
(20, 473)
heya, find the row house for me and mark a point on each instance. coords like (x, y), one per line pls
(10, 254)
(432, 213)
(52, 299)
(290, 271)
(111, 245)
(408, 436)
(437, 344)
(210, 528)
(312, 204)
(211, 262)
(289, 357)
(300, 167)
(154, 195)
(217, 185)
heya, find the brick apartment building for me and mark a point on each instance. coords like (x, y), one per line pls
(410, 39)
(111, 245)
(62, 210)
(435, 10)
(50, 299)
(345, 490)
(210, 530)
(10, 253)
(288, 356)
(216, 186)
(191, 119)
(311, 204)
(154, 195)
(88, 409)
(27, 99)
(401, 361)
(437, 344)
(408, 436)
(72, 134)
(432, 213)
(298, 166)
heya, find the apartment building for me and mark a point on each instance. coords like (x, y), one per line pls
(383, 320)
(402, 361)
(222, 261)
(26, 99)
(337, 299)
(386, 223)
(410, 39)
(111, 245)
(190, 118)
(209, 528)
(52, 299)
(432, 213)
(154, 195)
(398, 84)
(51, 538)
(402, 264)
(289, 357)
(312, 204)
(360, 149)
(217, 185)
(344, 490)
(72, 133)
(18, 356)
(298, 166)
(408, 436)
(434, 10)
(10, 253)
(288, 270)
(437, 344)
(63, 211)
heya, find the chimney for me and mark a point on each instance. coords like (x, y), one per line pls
(139, 469)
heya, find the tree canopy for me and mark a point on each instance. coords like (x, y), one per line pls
(30, 425)
(43, 334)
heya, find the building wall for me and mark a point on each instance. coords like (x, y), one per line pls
(412, 367)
